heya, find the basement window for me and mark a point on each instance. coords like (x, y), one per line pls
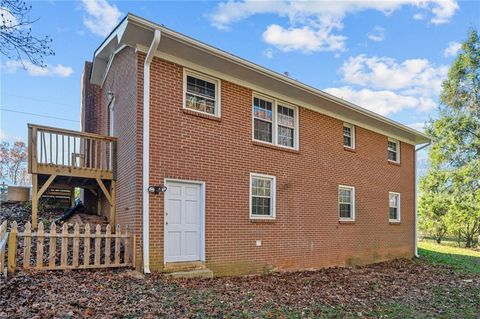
(201, 93)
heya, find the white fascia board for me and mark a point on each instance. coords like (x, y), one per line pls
(278, 95)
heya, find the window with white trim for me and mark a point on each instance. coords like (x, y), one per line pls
(275, 122)
(346, 202)
(262, 196)
(348, 135)
(394, 206)
(201, 93)
(393, 150)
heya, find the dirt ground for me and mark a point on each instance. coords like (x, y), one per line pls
(397, 289)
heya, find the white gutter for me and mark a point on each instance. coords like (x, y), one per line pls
(415, 200)
(146, 150)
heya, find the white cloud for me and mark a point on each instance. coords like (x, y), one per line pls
(385, 86)
(3, 135)
(443, 11)
(268, 53)
(383, 102)
(318, 21)
(452, 49)
(377, 34)
(419, 126)
(7, 19)
(305, 39)
(58, 70)
(415, 75)
(418, 16)
(102, 17)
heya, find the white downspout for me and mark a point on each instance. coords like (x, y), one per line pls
(146, 150)
(415, 200)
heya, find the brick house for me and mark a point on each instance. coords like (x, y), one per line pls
(261, 171)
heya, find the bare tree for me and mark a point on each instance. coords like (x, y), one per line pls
(18, 161)
(16, 39)
(4, 158)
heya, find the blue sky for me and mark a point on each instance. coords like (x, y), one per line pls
(387, 56)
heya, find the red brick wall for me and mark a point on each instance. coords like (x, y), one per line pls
(306, 232)
(121, 81)
(91, 111)
(92, 115)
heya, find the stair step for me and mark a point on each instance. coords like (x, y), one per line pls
(183, 266)
(198, 273)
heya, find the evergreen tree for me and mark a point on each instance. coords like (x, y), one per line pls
(450, 192)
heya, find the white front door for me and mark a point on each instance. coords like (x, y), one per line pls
(183, 219)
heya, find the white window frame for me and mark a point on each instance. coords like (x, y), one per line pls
(352, 137)
(398, 208)
(198, 75)
(352, 189)
(275, 103)
(272, 196)
(397, 150)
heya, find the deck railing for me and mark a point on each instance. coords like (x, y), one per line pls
(59, 148)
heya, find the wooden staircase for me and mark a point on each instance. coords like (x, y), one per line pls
(61, 160)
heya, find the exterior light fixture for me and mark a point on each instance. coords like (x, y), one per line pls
(157, 189)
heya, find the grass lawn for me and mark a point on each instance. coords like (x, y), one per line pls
(463, 260)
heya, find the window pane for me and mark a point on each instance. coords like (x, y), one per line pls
(344, 195)
(261, 206)
(392, 146)
(393, 213)
(345, 211)
(262, 130)
(201, 87)
(261, 187)
(347, 131)
(392, 151)
(200, 104)
(285, 136)
(347, 141)
(393, 198)
(262, 109)
(285, 116)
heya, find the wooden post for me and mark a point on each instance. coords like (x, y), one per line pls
(117, 245)
(76, 245)
(86, 246)
(108, 248)
(72, 197)
(27, 245)
(112, 204)
(34, 200)
(126, 256)
(98, 238)
(64, 253)
(52, 255)
(40, 238)
(12, 248)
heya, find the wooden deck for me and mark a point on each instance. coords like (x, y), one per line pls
(66, 159)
